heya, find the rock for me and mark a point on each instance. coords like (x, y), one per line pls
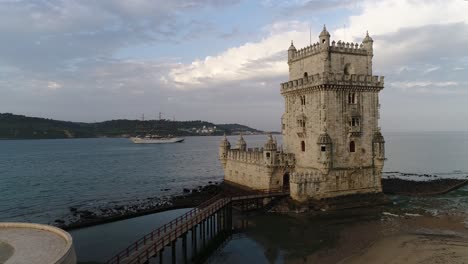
(73, 209)
(59, 221)
(186, 190)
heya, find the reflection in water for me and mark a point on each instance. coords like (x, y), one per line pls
(99, 243)
(275, 238)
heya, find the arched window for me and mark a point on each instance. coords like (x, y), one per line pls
(305, 75)
(351, 98)
(352, 147)
(348, 69)
(303, 146)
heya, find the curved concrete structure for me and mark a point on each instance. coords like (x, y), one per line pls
(35, 243)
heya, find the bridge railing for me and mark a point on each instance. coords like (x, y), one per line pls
(156, 234)
(145, 255)
(193, 215)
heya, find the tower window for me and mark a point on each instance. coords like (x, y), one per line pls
(303, 99)
(351, 98)
(323, 148)
(268, 154)
(355, 121)
(348, 69)
(303, 146)
(305, 75)
(301, 123)
(352, 146)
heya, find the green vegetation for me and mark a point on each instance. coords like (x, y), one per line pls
(23, 127)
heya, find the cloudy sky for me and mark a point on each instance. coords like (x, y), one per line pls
(222, 61)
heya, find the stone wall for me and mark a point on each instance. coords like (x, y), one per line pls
(252, 175)
(314, 184)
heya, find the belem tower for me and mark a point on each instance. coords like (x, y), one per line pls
(332, 145)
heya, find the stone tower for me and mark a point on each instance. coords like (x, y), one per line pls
(330, 122)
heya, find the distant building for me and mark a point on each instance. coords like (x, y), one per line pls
(332, 142)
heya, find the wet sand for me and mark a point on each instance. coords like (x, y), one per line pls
(426, 249)
(399, 238)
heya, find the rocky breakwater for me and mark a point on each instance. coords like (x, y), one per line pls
(83, 217)
(420, 184)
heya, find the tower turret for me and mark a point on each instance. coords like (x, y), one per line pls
(324, 38)
(368, 43)
(291, 51)
(224, 146)
(269, 150)
(325, 148)
(241, 144)
(378, 149)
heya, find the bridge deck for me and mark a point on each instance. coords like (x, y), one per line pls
(152, 243)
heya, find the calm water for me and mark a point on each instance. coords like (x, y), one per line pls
(41, 179)
(100, 243)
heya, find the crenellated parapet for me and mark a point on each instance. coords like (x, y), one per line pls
(250, 155)
(338, 47)
(336, 81)
(348, 47)
(305, 52)
(257, 156)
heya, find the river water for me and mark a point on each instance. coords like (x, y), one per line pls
(41, 179)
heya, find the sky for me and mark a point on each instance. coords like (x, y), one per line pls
(223, 61)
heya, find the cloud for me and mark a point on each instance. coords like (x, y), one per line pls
(386, 17)
(412, 84)
(263, 59)
(41, 36)
(53, 85)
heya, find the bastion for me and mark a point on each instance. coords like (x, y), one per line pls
(35, 243)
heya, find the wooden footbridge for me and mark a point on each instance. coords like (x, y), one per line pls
(210, 219)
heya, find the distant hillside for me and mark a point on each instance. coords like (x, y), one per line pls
(23, 127)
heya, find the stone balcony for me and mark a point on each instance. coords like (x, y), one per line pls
(335, 80)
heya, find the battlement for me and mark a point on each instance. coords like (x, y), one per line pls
(353, 48)
(256, 156)
(339, 47)
(307, 177)
(334, 79)
(307, 51)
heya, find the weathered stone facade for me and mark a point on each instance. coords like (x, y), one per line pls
(332, 142)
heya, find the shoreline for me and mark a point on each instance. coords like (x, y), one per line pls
(194, 197)
(88, 218)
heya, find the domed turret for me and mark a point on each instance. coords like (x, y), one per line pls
(225, 142)
(378, 138)
(378, 148)
(291, 51)
(367, 39)
(368, 43)
(224, 147)
(270, 144)
(324, 37)
(241, 144)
